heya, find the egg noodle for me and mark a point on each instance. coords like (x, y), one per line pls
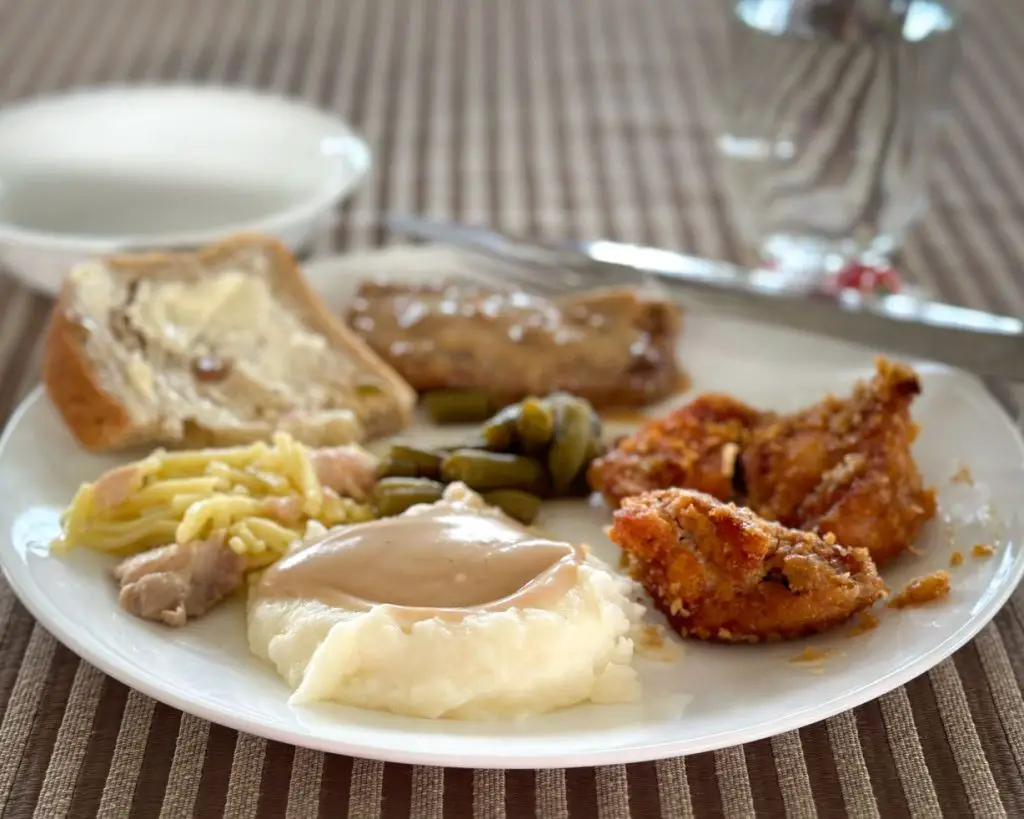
(261, 496)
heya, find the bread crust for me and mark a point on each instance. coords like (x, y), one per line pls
(97, 419)
(101, 422)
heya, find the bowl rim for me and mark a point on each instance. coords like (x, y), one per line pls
(351, 161)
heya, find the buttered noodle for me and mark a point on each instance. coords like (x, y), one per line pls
(261, 496)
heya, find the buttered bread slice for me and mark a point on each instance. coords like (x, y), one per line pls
(222, 346)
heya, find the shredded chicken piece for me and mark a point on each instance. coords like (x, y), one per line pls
(349, 470)
(117, 485)
(173, 583)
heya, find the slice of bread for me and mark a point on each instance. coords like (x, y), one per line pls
(221, 346)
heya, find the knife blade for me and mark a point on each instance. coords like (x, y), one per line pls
(983, 343)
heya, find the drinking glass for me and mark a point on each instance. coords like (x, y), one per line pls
(832, 109)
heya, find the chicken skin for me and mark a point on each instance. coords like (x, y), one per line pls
(842, 466)
(721, 573)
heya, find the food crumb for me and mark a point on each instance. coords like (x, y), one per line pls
(956, 558)
(811, 655)
(922, 590)
(650, 642)
(865, 622)
(913, 550)
(982, 550)
(652, 637)
(963, 475)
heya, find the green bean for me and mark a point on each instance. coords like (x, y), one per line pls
(568, 453)
(386, 485)
(475, 441)
(413, 462)
(535, 424)
(457, 406)
(519, 505)
(596, 447)
(391, 467)
(392, 496)
(500, 432)
(493, 470)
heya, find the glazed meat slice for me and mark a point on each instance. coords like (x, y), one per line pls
(172, 583)
(696, 447)
(613, 347)
(721, 573)
(845, 466)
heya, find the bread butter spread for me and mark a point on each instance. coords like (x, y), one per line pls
(222, 350)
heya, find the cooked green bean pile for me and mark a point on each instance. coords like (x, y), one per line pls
(538, 448)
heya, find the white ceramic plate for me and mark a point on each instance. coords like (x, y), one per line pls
(106, 169)
(714, 696)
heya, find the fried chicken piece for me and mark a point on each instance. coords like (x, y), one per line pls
(695, 446)
(844, 466)
(721, 573)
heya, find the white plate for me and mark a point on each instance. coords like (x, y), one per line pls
(106, 169)
(715, 696)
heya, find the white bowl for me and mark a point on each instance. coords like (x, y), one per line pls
(157, 167)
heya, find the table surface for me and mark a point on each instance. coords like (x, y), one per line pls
(568, 118)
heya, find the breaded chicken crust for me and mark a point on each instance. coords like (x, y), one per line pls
(719, 572)
(695, 446)
(842, 466)
(845, 466)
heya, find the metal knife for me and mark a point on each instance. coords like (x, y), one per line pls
(983, 343)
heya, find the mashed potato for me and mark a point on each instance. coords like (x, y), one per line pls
(481, 665)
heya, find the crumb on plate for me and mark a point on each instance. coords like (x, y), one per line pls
(866, 621)
(811, 655)
(651, 642)
(922, 590)
(982, 550)
(963, 475)
(956, 558)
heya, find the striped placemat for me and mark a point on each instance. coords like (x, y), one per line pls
(563, 117)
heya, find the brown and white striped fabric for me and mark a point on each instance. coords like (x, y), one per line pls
(567, 118)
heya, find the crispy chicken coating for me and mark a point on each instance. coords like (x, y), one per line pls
(695, 446)
(721, 573)
(842, 466)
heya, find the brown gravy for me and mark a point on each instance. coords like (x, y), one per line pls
(444, 561)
